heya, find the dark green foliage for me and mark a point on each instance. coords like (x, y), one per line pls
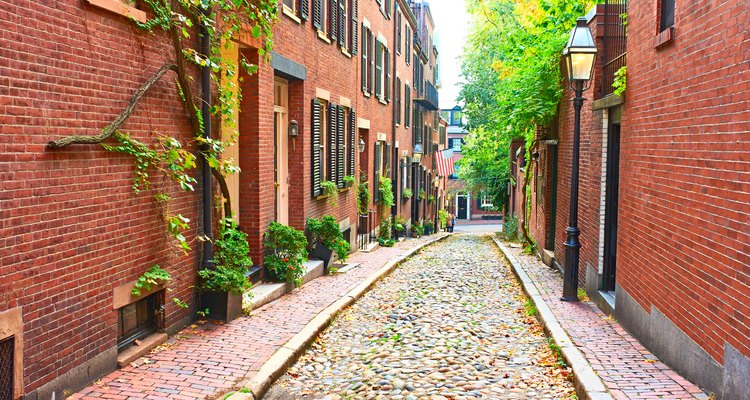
(385, 188)
(326, 231)
(288, 252)
(230, 262)
(152, 277)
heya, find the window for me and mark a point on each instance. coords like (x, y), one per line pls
(7, 361)
(353, 34)
(456, 117)
(291, 5)
(407, 105)
(379, 69)
(454, 175)
(398, 29)
(387, 73)
(333, 144)
(343, 17)
(320, 15)
(136, 321)
(455, 144)
(397, 104)
(667, 15)
(367, 60)
(486, 201)
(407, 45)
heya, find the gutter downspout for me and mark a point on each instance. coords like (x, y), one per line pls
(394, 157)
(206, 188)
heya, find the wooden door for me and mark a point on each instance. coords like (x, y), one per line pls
(281, 158)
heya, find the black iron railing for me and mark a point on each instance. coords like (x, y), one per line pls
(429, 99)
(614, 46)
(366, 230)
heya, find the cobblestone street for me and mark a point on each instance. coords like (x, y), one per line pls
(451, 322)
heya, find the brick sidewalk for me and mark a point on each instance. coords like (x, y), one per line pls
(203, 361)
(627, 368)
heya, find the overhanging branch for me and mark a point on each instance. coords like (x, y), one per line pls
(111, 128)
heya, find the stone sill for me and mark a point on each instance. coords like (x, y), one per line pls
(664, 37)
(134, 352)
(121, 8)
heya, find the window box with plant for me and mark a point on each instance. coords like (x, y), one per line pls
(330, 191)
(407, 194)
(326, 239)
(287, 253)
(422, 194)
(222, 286)
(349, 181)
(431, 199)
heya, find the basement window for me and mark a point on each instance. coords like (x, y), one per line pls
(7, 359)
(135, 321)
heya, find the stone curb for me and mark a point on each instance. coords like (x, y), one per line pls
(589, 386)
(290, 351)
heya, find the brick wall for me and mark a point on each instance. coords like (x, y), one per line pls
(684, 210)
(72, 227)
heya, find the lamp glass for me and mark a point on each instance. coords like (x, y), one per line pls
(580, 53)
(361, 145)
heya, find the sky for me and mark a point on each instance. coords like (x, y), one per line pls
(452, 25)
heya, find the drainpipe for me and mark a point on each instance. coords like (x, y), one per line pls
(206, 188)
(395, 156)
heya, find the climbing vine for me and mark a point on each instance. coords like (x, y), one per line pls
(221, 24)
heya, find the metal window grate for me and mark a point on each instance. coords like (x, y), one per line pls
(614, 47)
(6, 368)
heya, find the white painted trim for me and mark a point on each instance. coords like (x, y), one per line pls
(366, 23)
(363, 123)
(345, 101)
(382, 39)
(603, 192)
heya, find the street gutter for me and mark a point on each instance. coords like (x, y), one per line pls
(589, 386)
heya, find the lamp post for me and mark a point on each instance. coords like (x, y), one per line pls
(579, 56)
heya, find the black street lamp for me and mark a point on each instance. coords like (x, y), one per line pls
(580, 57)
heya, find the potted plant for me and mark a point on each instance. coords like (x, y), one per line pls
(349, 181)
(428, 228)
(407, 194)
(417, 230)
(287, 253)
(326, 239)
(399, 226)
(222, 286)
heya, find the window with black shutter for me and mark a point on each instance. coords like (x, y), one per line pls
(397, 97)
(354, 34)
(667, 15)
(371, 68)
(340, 146)
(319, 14)
(352, 141)
(397, 12)
(343, 21)
(365, 58)
(387, 66)
(407, 105)
(333, 22)
(304, 9)
(407, 46)
(332, 144)
(317, 149)
(378, 69)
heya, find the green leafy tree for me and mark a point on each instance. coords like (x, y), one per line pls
(513, 83)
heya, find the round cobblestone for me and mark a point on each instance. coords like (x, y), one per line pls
(449, 323)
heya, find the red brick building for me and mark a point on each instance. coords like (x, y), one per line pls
(75, 237)
(664, 184)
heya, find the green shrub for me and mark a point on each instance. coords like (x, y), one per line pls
(385, 227)
(230, 261)
(363, 198)
(385, 189)
(386, 242)
(510, 227)
(443, 218)
(326, 232)
(288, 252)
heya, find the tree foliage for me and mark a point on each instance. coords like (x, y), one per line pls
(511, 69)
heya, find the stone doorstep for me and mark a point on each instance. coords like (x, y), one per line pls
(133, 353)
(268, 292)
(547, 257)
(371, 247)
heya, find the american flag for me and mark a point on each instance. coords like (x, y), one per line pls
(445, 164)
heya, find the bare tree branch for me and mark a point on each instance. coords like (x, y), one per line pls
(111, 128)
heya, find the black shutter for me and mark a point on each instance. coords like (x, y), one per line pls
(317, 164)
(376, 170)
(354, 35)
(342, 21)
(371, 68)
(365, 61)
(333, 22)
(407, 105)
(317, 17)
(387, 64)
(332, 171)
(340, 143)
(378, 69)
(353, 143)
(304, 9)
(397, 106)
(398, 29)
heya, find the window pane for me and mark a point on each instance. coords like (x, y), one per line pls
(667, 14)
(290, 3)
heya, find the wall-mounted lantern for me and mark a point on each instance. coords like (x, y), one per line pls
(361, 145)
(293, 129)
